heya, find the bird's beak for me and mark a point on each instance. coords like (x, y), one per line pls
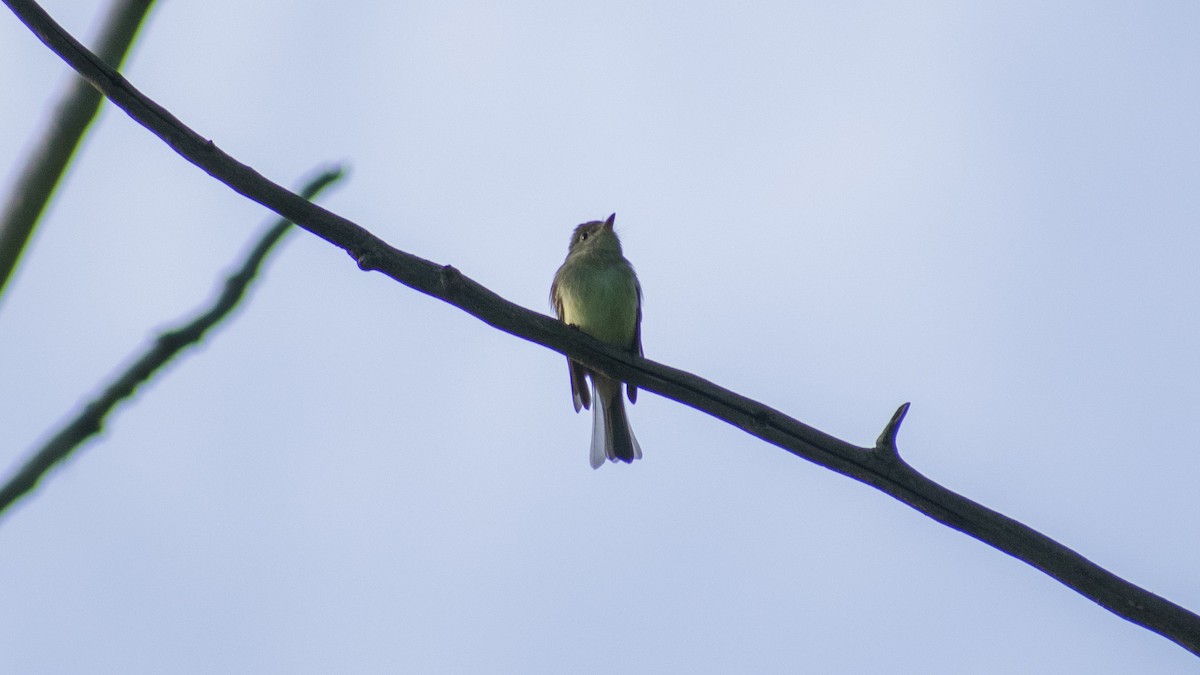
(608, 224)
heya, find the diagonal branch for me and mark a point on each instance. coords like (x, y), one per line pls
(170, 343)
(48, 161)
(879, 467)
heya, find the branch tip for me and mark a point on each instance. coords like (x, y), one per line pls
(887, 438)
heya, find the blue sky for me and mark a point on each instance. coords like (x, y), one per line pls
(989, 210)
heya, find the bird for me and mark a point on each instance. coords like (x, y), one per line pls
(597, 291)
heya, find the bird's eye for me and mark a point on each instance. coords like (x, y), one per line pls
(583, 236)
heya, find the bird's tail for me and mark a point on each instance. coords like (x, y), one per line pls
(612, 437)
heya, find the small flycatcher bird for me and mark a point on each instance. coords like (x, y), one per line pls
(597, 291)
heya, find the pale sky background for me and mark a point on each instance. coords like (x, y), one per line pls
(989, 209)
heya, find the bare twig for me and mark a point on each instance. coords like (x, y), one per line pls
(90, 420)
(47, 163)
(883, 470)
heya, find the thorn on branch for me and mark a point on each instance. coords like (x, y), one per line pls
(886, 443)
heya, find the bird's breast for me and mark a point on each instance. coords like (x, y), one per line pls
(602, 302)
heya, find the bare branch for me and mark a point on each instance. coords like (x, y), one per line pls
(90, 420)
(881, 470)
(48, 162)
